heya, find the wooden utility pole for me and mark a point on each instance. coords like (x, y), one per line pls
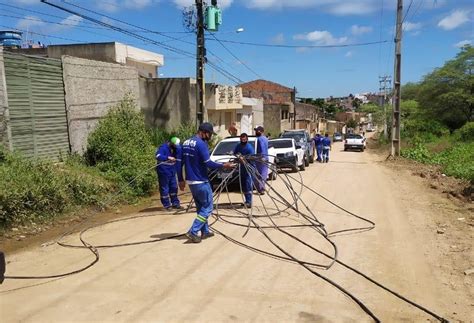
(201, 113)
(397, 83)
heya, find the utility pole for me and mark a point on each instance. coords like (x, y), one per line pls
(397, 83)
(384, 90)
(201, 113)
(294, 107)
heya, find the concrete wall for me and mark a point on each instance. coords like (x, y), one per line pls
(92, 88)
(272, 119)
(104, 52)
(168, 102)
(5, 134)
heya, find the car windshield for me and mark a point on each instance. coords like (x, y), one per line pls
(280, 143)
(353, 136)
(297, 136)
(227, 147)
(337, 134)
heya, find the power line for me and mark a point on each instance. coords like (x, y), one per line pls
(233, 55)
(220, 70)
(40, 34)
(300, 46)
(85, 22)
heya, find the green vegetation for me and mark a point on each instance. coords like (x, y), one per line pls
(438, 117)
(39, 190)
(118, 163)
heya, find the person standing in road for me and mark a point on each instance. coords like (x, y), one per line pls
(196, 161)
(168, 157)
(245, 149)
(318, 141)
(326, 147)
(261, 165)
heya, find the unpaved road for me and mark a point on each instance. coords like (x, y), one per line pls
(217, 280)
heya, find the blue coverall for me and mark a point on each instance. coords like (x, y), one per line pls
(245, 178)
(166, 171)
(318, 140)
(326, 147)
(196, 160)
(262, 167)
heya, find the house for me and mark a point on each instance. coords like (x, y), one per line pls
(278, 106)
(250, 116)
(147, 63)
(222, 104)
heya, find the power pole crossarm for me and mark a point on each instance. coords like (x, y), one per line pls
(397, 83)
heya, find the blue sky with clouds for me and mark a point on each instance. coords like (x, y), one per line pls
(433, 32)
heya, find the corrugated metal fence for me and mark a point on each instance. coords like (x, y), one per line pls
(36, 103)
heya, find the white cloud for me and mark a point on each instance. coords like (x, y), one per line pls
(412, 26)
(109, 6)
(137, 4)
(349, 54)
(279, 39)
(463, 43)
(337, 7)
(186, 3)
(321, 37)
(29, 22)
(454, 20)
(360, 30)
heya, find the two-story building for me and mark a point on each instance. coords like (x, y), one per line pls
(278, 107)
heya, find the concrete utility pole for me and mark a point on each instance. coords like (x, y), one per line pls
(201, 113)
(397, 83)
(294, 107)
(384, 90)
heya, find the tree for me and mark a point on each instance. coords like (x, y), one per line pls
(351, 124)
(447, 93)
(356, 103)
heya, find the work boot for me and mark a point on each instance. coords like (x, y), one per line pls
(207, 235)
(178, 207)
(248, 205)
(193, 238)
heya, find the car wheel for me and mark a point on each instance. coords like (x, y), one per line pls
(306, 160)
(303, 164)
(311, 159)
(295, 166)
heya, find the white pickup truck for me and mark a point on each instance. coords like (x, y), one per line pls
(354, 141)
(224, 152)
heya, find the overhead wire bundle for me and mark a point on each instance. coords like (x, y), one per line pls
(281, 208)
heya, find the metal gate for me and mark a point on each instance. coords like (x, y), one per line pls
(36, 105)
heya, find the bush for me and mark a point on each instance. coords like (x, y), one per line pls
(121, 147)
(419, 153)
(32, 190)
(466, 132)
(457, 161)
(423, 130)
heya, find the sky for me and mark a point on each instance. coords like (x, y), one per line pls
(434, 31)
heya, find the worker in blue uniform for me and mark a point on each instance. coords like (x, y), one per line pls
(261, 165)
(168, 157)
(196, 161)
(326, 147)
(318, 141)
(242, 150)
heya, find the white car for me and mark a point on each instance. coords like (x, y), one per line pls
(224, 152)
(288, 153)
(355, 141)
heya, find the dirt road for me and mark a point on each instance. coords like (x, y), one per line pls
(219, 280)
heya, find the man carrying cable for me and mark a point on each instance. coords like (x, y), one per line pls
(261, 165)
(245, 149)
(196, 161)
(168, 157)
